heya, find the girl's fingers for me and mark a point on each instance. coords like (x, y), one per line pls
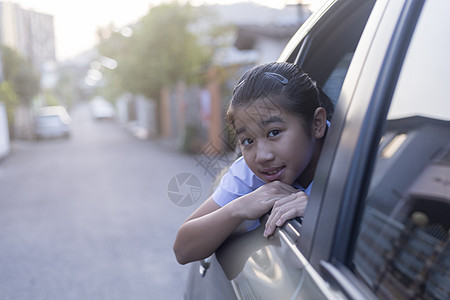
(287, 199)
(285, 209)
(279, 207)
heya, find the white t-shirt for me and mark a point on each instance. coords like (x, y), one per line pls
(239, 180)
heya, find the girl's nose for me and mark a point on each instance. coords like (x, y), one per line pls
(263, 153)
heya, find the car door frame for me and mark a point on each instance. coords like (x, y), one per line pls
(346, 147)
(288, 233)
(342, 177)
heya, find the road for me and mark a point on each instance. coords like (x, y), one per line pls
(90, 217)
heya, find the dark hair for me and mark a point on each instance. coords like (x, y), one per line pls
(285, 85)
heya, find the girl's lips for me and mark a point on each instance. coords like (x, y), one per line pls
(272, 174)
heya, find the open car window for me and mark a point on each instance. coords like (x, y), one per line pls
(327, 51)
(324, 49)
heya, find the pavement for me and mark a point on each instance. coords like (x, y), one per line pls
(94, 217)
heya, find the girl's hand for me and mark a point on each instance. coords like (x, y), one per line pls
(284, 209)
(255, 204)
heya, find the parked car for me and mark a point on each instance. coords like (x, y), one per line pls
(377, 223)
(101, 109)
(52, 122)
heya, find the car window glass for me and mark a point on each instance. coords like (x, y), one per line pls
(329, 48)
(48, 120)
(402, 249)
(333, 84)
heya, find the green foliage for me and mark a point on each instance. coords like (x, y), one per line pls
(66, 90)
(9, 98)
(50, 99)
(24, 79)
(162, 51)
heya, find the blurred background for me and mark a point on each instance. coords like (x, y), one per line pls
(112, 132)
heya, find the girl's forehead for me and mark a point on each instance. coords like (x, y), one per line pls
(259, 113)
(260, 109)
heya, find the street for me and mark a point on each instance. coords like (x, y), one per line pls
(89, 217)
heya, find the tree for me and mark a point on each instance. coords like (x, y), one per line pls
(68, 88)
(162, 51)
(20, 73)
(24, 81)
(9, 98)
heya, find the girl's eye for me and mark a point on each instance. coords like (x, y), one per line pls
(274, 132)
(247, 141)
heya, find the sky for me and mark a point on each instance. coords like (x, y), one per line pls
(76, 21)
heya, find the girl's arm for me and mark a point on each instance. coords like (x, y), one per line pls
(208, 227)
(204, 231)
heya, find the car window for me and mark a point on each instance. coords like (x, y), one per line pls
(327, 51)
(402, 249)
(48, 120)
(333, 84)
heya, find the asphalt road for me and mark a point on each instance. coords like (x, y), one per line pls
(90, 217)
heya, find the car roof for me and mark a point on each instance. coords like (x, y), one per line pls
(52, 110)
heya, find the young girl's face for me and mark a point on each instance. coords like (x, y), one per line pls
(274, 143)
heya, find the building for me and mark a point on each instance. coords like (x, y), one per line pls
(28, 32)
(261, 31)
(31, 34)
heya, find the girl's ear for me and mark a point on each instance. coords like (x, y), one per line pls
(319, 125)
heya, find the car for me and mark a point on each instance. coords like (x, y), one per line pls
(102, 109)
(378, 217)
(52, 122)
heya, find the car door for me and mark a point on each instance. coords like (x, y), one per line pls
(248, 266)
(378, 225)
(377, 222)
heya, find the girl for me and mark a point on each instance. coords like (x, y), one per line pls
(280, 119)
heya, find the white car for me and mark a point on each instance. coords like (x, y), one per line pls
(52, 122)
(102, 109)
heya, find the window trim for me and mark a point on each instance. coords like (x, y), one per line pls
(326, 233)
(335, 158)
(348, 283)
(338, 267)
(373, 128)
(289, 51)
